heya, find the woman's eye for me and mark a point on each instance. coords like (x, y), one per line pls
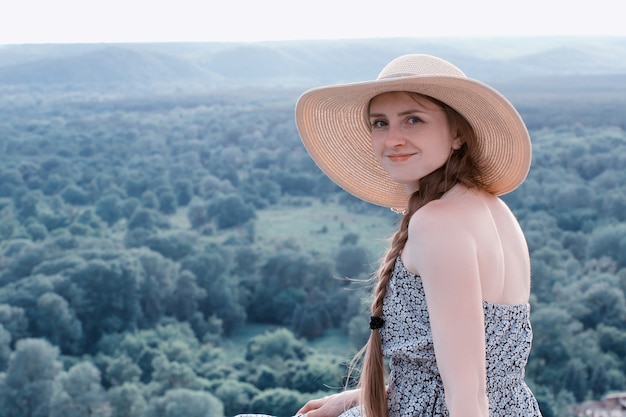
(379, 123)
(414, 119)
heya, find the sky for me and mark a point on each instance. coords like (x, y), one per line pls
(96, 21)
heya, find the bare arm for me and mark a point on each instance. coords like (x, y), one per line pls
(442, 250)
(332, 405)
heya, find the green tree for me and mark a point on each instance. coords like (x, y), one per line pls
(184, 192)
(5, 348)
(280, 344)
(10, 179)
(546, 401)
(9, 227)
(56, 321)
(174, 245)
(107, 296)
(23, 262)
(76, 196)
(575, 379)
(602, 303)
(351, 261)
(609, 241)
(285, 279)
(170, 375)
(197, 214)
(136, 186)
(230, 211)
(297, 184)
(222, 291)
(28, 385)
(130, 206)
(150, 200)
(28, 204)
(599, 382)
(158, 279)
(265, 377)
(144, 218)
(612, 339)
(309, 320)
(37, 231)
(122, 370)
(359, 331)
(554, 329)
(236, 396)
(185, 402)
(14, 320)
(277, 401)
(316, 373)
(246, 259)
(89, 218)
(126, 401)
(54, 184)
(109, 208)
(78, 393)
(186, 296)
(350, 239)
(167, 202)
(564, 404)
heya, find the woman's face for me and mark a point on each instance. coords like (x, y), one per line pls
(411, 136)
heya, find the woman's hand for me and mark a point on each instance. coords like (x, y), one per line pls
(330, 406)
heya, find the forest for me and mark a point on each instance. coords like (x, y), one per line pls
(170, 250)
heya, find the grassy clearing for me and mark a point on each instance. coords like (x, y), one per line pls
(319, 228)
(236, 343)
(310, 226)
(334, 341)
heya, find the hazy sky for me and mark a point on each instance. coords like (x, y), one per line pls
(52, 21)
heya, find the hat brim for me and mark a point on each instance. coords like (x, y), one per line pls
(332, 123)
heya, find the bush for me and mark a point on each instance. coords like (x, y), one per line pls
(75, 195)
(167, 203)
(184, 192)
(109, 208)
(236, 396)
(278, 402)
(184, 402)
(609, 241)
(230, 211)
(37, 231)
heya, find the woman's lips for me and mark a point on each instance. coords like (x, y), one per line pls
(399, 157)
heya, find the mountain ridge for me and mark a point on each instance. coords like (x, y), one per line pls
(300, 63)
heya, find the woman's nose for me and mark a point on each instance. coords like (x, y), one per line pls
(394, 137)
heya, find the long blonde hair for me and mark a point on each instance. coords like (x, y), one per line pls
(462, 168)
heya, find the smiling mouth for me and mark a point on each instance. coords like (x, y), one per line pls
(399, 157)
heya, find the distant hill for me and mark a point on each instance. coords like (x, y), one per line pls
(304, 63)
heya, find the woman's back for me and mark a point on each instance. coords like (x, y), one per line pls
(500, 247)
(502, 250)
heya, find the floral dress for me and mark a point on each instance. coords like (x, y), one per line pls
(415, 386)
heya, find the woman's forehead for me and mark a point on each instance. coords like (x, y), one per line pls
(422, 100)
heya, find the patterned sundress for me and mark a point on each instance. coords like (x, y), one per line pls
(415, 386)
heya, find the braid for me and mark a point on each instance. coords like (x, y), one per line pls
(460, 168)
(386, 268)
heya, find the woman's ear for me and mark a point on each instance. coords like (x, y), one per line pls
(457, 142)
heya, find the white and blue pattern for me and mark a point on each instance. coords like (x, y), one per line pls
(415, 386)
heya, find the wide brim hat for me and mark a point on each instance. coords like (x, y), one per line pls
(334, 126)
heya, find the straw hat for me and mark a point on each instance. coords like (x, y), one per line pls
(334, 127)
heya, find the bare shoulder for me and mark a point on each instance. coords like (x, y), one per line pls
(437, 229)
(453, 213)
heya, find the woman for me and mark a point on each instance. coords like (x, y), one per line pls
(450, 305)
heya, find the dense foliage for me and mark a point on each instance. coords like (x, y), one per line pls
(131, 266)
